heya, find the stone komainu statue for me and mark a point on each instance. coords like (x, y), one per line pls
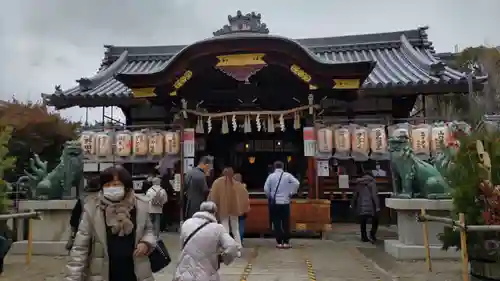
(38, 183)
(411, 176)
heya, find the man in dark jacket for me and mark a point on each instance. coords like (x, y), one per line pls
(76, 214)
(366, 203)
(196, 187)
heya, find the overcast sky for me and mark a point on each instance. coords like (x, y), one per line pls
(49, 42)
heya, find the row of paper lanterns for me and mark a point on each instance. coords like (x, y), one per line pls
(371, 141)
(130, 143)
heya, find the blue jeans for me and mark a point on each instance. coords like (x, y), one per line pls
(241, 225)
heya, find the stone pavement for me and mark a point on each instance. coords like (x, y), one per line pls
(308, 260)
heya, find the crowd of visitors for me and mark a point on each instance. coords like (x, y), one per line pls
(116, 232)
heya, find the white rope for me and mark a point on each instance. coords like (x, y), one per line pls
(251, 113)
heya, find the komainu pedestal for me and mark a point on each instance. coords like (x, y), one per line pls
(410, 243)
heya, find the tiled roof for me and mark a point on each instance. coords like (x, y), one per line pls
(404, 59)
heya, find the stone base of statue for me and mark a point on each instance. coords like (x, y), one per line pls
(49, 234)
(410, 243)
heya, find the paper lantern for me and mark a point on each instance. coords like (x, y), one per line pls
(140, 143)
(342, 142)
(342, 139)
(104, 145)
(87, 141)
(420, 139)
(378, 139)
(439, 137)
(325, 140)
(172, 143)
(360, 141)
(123, 142)
(155, 140)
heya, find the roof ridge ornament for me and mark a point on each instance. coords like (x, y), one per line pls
(250, 22)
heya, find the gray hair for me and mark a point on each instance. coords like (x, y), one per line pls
(208, 206)
(156, 181)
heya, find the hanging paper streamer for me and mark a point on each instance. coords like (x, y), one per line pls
(241, 66)
(439, 137)
(296, 121)
(270, 124)
(225, 126)
(247, 126)
(234, 123)
(209, 124)
(310, 99)
(199, 126)
(378, 142)
(325, 140)
(420, 141)
(257, 123)
(282, 123)
(342, 137)
(360, 144)
(184, 108)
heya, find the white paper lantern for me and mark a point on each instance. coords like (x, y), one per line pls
(342, 139)
(378, 139)
(140, 143)
(325, 140)
(87, 141)
(439, 136)
(360, 141)
(155, 140)
(123, 142)
(172, 143)
(420, 139)
(104, 144)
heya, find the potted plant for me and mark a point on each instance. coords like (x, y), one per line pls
(476, 193)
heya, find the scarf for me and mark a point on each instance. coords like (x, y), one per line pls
(118, 214)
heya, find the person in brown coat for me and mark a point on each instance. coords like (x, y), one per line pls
(231, 198)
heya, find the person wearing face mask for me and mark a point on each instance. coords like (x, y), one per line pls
(115, 235)
(196, 187)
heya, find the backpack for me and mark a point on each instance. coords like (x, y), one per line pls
(157, 198)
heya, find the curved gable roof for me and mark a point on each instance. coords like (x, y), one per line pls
(406, 63)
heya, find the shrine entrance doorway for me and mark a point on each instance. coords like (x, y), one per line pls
(253, 154)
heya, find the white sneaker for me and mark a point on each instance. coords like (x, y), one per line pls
(238, 254)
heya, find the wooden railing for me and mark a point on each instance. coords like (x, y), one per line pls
(462, 227)
(30, 216)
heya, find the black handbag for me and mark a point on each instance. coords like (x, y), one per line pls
(159, 258)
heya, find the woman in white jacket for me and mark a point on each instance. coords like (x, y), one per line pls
(157, 198)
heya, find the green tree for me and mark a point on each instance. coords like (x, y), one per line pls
(34, 130)
(6, 163)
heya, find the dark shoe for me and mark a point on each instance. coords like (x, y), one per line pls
(365, 239)
(373, 239)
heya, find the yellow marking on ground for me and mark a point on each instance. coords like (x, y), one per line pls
(248, 268)
(311, 273)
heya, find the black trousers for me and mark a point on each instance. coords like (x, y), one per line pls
(1, 265)
(363, 220)
(280, 217)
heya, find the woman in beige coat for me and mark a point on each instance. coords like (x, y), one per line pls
(231, 198)
(115, 235)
